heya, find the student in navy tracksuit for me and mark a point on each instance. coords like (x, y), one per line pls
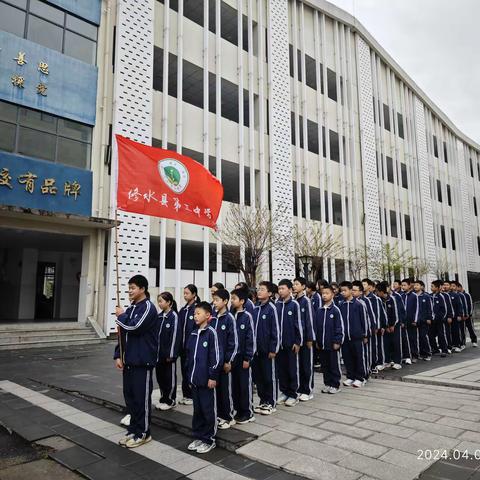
(305, 388)
(186, 325)
(242, 387)
(355, 319)
(469, 313)
(337, 298)
(249, 305)
(224, 324)
(136, 356)
(463, 300)
(395, 312)
(412, 310)
(169, 342)
(291, 339)
(425, 316)
(216, 286)
(316, 300)
(204, 363)
(450, 313)
(457, 308)
(267, 335)
(329, 334)
(439, 313)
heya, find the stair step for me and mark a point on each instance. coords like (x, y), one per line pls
(54, 336)
(49, 343)
(41, 326)
(45, 333)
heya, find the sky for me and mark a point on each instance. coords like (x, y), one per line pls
(436, 42)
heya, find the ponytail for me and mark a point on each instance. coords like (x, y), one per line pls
(168, 297)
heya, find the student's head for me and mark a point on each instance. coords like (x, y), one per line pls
(346, 289)
(190, 293)
(406, 285)
(264, 291)
(321, 284)
(446, 286)
(137, 288)
(299, 285)
(241, 285)
(453, 286)
(220, 299)
(327, 294)
(436, 286)
(203, 313)
(166, 302)
(311, 288)
(382, 289)
(285, 289)
(418, 286)
(357, 288)
(238, 297)
(274, 295)
(336, 288)
(368, 285)
(397, 285)
(460, 287)
(215, 287)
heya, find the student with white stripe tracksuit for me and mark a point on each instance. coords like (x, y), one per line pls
(291, 339)
(457, 314)
(204, 363)
(469, 320)
(316, 300)
(450, 314)
(425, 316)
(406, 352)
(329, 334)
(392, 338)
(169, 343)
(267, 336)
(355, 319)
(439, 313)
(249, 305)
(412, 309)
(137, 358)
(305, 388)
(463, 299)
(242, 387)
(186, 326)
(224, 325)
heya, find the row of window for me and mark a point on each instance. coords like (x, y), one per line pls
(390, 177)
(435, 149)
(40, 135)
(443, 238)
(395, 230)
(440, 195)
(51, 27)
(386, 118)
(471, 169)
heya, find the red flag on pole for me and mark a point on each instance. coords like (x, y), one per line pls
(161, 183)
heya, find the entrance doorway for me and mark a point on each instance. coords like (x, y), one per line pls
(45, 295)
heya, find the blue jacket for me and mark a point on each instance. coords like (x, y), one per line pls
(224, 325)
(306, 313)
(186, 322)
(463, 300)
(456, 304)
(249, 306)
(328, 326)
(267, 331)
(204, 356)
(372, 320)
(439, 307)
(354, 316)
(316, 300)
(338, 299)
(395, 310)
(412, 307)
(469, 300)
(290, 322)
(139, 328)
(378, 310)
(425, 308)
(246, 337)
(169, 336)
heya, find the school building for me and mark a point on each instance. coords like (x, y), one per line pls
(293, 105)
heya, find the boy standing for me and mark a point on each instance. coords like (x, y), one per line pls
(224, 325)
(356, 336)
(424, 320)
(314, 296)
(305, 388)
(439, 310)
(136, 356)
(329, 332)
(291, 339)
(204, 362)
(241, 369)
(410, 342)
(267, 335)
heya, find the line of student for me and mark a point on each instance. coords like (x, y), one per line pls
(274, 344)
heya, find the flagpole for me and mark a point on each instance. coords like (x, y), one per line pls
(118, 282)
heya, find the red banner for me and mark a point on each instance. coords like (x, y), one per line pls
(161, 183)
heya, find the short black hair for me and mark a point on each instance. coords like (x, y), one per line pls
(274, 288)
(369, 282)
(204, 306)
(301, 280)
(269, 285)
(407, 280)
(312, 286)
(286, 282)
(241, 293)
(346, 284)
(437, 283)
(420, 282)
(459, 285)
(219, 286)
(382, 286)
(359, 284)
(140, 281)
(241, 285)
(328, 287)
(222, 294)
(322, 283)
(397, 280)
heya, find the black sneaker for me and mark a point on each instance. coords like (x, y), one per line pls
(244, 420)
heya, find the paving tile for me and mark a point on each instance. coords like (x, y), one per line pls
(304, 431)
(355, 445)
(408, 461)
(432, 427)
(258, 471)
(464, 424)
(267, 453)
(316, 450)
(108, 470)
(34, 432)
(435, 441)
(374, 467)
(213, 472)
(75, 457)
(319, 470)
(447, 470)
(278, 438)
(347, 430)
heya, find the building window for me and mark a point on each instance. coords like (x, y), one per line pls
(475, 206)
(449, 196)
(478, 170)
(334, 146)
(439, 191)
(393, 224)
(311, 73)
(389, 161)
(404, 175)
(445, 156)
(408, 228)
(337, 209)
(435, 146)
(400, 125)
(23, 130)
(471, 167)
(295, 199)
(452, 235)
(51, 27)
(478, 245)
(332, 84)
(386, 117)
(442, 234)
(312, 129)
(315, 209)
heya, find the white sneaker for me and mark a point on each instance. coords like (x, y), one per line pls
(282, 398)
(164, 406)
(205, 447)
(358, 384)
(380, 367)
(333, 390)
(268, 410)
(224, 424)
(474, 344)
(185, 401)
(259, 408)
(135, 442)
(126, 420)
(291, 402)
(462, 348)
(414, 360)
(456, 349)
(348, 382)
(305, 397)
(428, 359)
(243, 421)
(326, 389)
(194, 445)
(408, 361)
(396, 366)
(123, 441)
(317, 365)
(374, 371)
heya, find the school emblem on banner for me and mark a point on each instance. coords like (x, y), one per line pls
(174, 174)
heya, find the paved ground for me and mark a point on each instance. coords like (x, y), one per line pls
(387, 430)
